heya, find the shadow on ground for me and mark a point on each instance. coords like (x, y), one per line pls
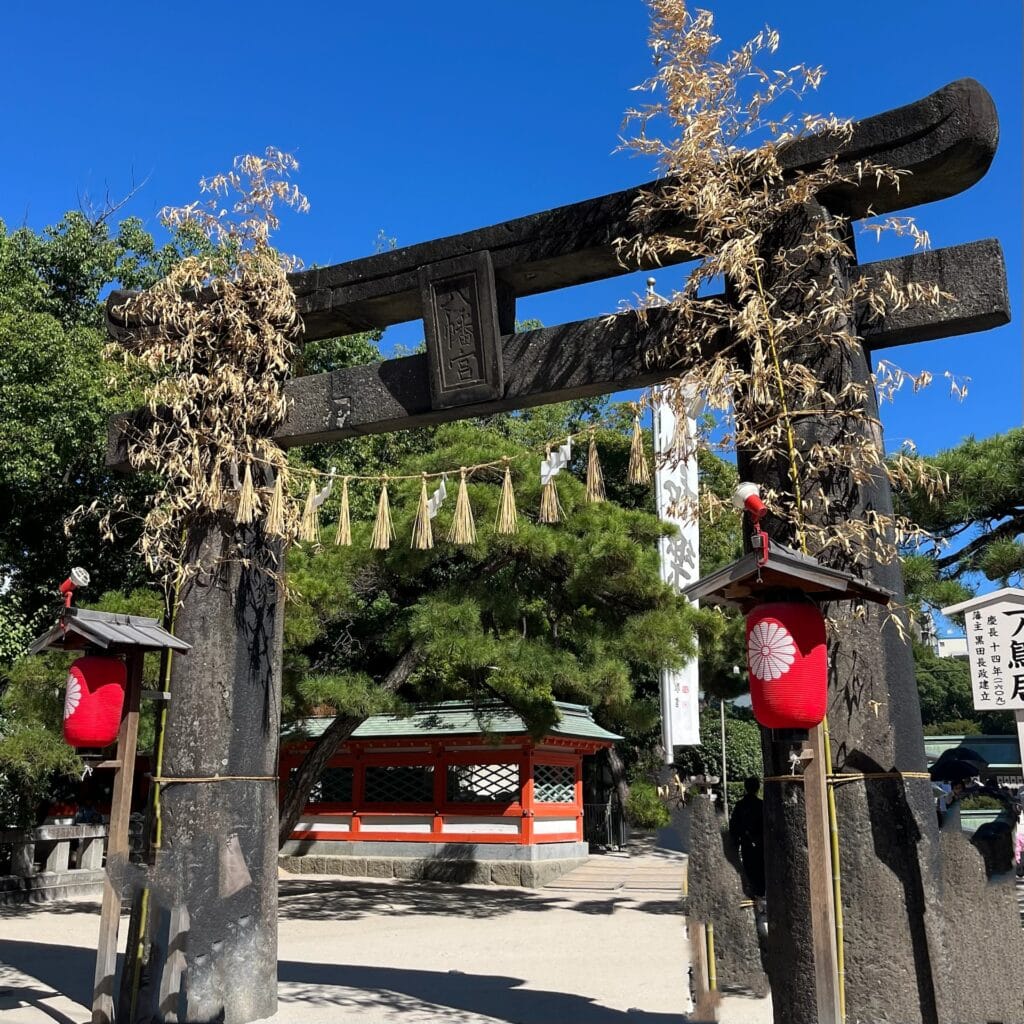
(65, 969)
(404, 990)
(346, 899)
(341, 987)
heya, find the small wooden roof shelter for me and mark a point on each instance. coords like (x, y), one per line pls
(79, 627)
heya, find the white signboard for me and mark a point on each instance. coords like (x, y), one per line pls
(680, 722)
(995, 646)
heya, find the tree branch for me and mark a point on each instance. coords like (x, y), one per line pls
(313, 764)
(1010, 528)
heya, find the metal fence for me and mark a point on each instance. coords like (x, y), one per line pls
(604, 825)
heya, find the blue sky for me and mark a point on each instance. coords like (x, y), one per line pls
(427, 119)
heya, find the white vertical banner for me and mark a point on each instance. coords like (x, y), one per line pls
(675, 481)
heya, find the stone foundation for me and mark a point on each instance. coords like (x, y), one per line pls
(51, 885)
(477, 864)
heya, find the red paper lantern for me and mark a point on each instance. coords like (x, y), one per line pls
(93, 701)
(788, 665)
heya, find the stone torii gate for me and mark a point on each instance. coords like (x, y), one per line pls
(223, 718)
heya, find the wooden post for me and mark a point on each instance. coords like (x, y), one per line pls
(117, 845)
(819, 868)
(704, 1002)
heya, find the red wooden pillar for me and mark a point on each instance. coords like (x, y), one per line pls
(578, 796)
(358, 791)
(526, 794)
(440, 790)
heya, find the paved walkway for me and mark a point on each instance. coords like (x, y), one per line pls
(386, 950)
(605, 944)
(644, 867)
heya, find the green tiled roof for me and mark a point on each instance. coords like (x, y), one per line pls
(455, 718)
(1001, 752)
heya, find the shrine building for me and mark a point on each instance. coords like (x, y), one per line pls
(455, 792)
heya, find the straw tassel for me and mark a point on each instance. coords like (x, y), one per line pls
(422, 531)
(248, 502)
(639, 471)
(463, 529)
(507, 520)
(595, 478)
(344, 535)
(550, 508)
(383, 528)
(275, 512)
(309, 528)
(214, 491)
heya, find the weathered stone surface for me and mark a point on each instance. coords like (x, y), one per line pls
(537, 874)
(461, 872)
(598, 356)
(889, 851)
(405, 867)
(715, 894)
(460, 322)
(506, 873)
(46, 886)
(219, 855)
(380, 867)
(947, 140)
(967, 899)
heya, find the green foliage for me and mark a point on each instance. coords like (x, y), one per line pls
(575, 611)
(953, 727)
(944, 685)
(742, 746)
(56, 397)
(644, 808)
(981, 802)
(978, 524)
(33, 758)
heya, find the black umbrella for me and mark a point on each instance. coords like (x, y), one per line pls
(958, 764)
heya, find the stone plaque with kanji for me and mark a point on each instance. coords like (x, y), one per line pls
(995, 645)
(460, 320)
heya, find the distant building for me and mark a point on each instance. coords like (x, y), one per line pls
(454, 791)
(952, 647)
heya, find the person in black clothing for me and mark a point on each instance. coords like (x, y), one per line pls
(746, 827)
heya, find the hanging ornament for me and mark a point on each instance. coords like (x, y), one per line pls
(275, 524)
(248, 501)
(639, 471)
(93, 701)
(437, 498)
(550, 467)
(463, 529)
(309, 527)
(595, 478)
(507, 520)
(383, 528)
(422, 532)
(788, 664)
(344, 535)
